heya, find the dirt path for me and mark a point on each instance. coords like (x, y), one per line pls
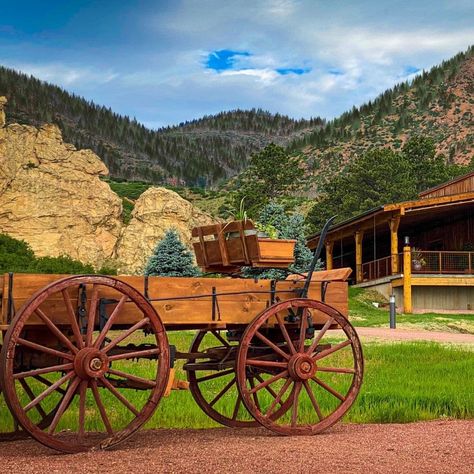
(411, 335)
(425, 447)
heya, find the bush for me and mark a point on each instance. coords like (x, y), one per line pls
(16, 256)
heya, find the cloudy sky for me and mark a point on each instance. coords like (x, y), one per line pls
(169, 61)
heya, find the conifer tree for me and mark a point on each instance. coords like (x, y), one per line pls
(171, 258)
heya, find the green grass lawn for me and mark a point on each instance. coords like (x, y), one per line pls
(363, 313)
(403, 382)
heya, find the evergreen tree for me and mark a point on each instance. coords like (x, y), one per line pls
(271, 174)
(171, 258)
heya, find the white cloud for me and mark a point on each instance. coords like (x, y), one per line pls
(64, 75)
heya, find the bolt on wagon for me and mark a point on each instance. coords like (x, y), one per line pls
(85, 359)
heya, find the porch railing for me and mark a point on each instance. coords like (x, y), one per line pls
(442, 262)
(380, 268)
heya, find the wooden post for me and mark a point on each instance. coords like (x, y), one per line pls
(329, 255)
(394, 223)
(407, 303)
(359, 235)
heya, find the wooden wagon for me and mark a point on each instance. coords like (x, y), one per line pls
(86, 359)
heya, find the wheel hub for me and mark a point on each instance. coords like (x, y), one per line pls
(90, 363)
(301, 367)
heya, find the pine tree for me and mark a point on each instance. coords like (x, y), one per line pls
(171, 258)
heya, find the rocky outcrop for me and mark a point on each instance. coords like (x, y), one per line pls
(51, 195)
(156, 210)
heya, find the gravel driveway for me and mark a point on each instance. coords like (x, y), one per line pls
(425, 447)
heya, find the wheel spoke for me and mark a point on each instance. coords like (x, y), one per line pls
(110, 321)
(272, 345)
(213, 376)
(294, 409)
(336, 370)
(49, 390)
(266, 363)
(328, 388)
(254, 394)
(313, 399)
(237, 406)
(318, 338)
(56, 331)
(221, 393)
(335, 348)
(304, 325)
(125, 334)
(45, 370)
(64, 404)
(31, 396)
(91, 315)
(269, 381)
(119, 396)
(46, 382)
(135, 354)
(100, 406)
(82, 407)
(135, 378)
(285, 333)
(46, 350)
(267, 388)
(279, 396)
(72, 319)
(220, 338)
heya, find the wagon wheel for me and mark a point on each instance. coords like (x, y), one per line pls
(98, 409)
(317, 382)
(213, 382)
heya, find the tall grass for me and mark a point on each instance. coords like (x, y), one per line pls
(403, 382)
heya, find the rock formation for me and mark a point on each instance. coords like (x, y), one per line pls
(51, 195)
(156, 210)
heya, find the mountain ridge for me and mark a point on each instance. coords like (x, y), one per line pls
(207, 151)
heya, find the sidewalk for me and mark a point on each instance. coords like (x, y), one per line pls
(410, 335)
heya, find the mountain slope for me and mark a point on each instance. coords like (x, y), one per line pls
(201, 152)
(438, 103)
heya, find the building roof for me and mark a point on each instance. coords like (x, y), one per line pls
(428, 202)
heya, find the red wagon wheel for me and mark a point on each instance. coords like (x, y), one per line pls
(213, 381)
(316, 379)
(106, 396)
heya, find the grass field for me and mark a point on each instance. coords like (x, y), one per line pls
(403, 382)
(364, 313)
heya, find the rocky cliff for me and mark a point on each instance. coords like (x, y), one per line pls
(51, 196)
(156, 210)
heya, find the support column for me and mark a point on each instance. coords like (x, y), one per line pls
(407, 303)
(394, 223)
(359, 235)
(329, 255)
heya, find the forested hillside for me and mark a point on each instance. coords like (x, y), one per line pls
(198, 153)
(438, 104)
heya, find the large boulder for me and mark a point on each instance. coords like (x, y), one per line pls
(52, 197)
(156, 210)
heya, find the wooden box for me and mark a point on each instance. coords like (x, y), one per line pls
(226, 247)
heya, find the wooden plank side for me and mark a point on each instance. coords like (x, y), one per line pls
(238, 300)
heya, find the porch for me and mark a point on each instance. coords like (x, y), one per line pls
(427, 242)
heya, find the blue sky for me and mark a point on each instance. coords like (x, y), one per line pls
(169, 61)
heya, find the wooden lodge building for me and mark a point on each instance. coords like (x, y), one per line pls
(422, 251)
